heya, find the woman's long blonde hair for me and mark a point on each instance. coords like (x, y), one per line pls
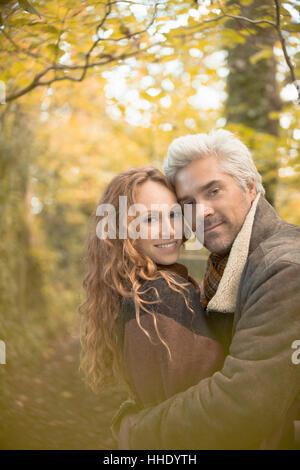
(115, 269)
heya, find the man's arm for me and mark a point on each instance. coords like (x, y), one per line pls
(244, 403)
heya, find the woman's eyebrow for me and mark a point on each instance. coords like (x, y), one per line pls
(151, 212)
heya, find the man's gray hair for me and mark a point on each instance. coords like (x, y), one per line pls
(235, 158)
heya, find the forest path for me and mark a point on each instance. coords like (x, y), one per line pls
(52, 408)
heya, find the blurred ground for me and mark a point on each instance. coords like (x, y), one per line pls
(48, 406)
(52, 408)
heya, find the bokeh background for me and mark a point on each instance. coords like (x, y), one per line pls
(88, 89)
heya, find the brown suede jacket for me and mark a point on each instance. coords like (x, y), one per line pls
(153, 374)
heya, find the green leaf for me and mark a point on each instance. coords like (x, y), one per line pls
(55, 50)
(231, 37)
(274, 115)
(124, 30)
(292, 27)
(263, 54)
(246, 2)
(17, 22)
(48, 28)
(26, 5)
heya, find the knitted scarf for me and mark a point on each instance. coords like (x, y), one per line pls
(214, 271)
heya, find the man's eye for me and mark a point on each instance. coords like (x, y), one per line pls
(214, 192)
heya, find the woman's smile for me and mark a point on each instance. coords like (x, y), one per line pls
(168, 245)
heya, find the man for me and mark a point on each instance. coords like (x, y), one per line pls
(251, 293)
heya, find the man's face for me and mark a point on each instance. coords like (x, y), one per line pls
(225, 203)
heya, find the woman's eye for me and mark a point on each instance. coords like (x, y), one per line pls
(150, 219)
(175, 215)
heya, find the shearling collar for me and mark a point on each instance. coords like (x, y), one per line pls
(266, 223)
(224, 300)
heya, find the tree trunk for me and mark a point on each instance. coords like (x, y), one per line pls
(252, 87)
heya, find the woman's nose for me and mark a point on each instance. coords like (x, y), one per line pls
(166, 228)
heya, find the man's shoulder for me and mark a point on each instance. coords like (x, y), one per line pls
(277, 253)
(270, 280)
(283, 246)
(273, 238)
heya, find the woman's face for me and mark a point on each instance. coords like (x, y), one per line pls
(160, 226)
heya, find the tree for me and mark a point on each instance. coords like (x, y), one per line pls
(253, 93)
(57, 41)
(61, 41)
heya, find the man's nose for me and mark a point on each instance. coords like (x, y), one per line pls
(207, 210)
(204, 207)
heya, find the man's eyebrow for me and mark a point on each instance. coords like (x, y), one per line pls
(199, 189)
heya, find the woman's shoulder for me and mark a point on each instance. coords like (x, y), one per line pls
(161, 281)
(162, 300)
(160, 288)
(173, 308)
(170, 300)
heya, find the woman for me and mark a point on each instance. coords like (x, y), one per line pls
(142, 317)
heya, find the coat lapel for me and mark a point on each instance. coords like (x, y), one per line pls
(224, 300)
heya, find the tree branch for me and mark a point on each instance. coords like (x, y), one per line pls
(36, 82)
(17, 47)
(283, 45)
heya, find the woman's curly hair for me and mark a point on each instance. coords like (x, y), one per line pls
(115, 269)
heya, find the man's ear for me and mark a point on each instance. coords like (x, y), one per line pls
(252, 188)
